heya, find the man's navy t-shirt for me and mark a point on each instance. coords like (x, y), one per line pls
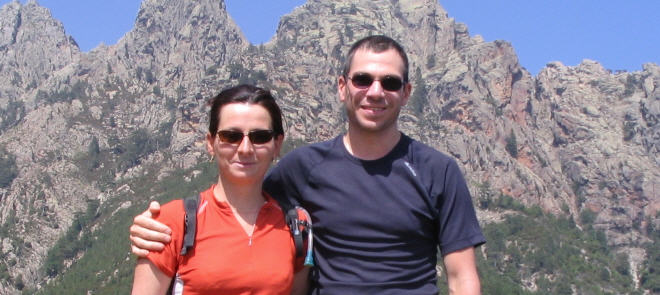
(378, 224)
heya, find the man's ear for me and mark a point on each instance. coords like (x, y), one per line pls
(407, 90)
(341, 87)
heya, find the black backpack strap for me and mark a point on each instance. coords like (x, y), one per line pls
(293, 220)
(190, 205)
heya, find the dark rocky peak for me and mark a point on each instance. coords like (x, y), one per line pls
(435, 43)
(311, 41)
(33, 45)
(327, 27)
(174, 37)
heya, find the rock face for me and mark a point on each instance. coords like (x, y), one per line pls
(572, 139)
(33, 46)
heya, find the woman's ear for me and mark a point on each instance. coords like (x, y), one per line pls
(279, 140)
(210, 140)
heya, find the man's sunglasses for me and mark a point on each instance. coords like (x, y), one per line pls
(389, 83)
(255, 136)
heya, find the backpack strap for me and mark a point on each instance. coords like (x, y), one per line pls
(190, 205)
(294, 223)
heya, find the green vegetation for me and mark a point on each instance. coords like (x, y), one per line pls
(629, 127)
(247, 76)
(76, 240)
(145, 75)
(631, 85)
(419, 98)
(92, 160)
(493, 103)
(533, 248)
(349, 33)
(212, 70)
(14, 111)
(78, 90)
(107, 265)
(180, 93)
(430, 61)
(142, 143)
(157, 92)
(528, 248)
(650, 274)
(8, 168)
(100, 165)
(6, 230)
(512, 145)
(291, 144)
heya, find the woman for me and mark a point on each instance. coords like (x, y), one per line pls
(243, 245)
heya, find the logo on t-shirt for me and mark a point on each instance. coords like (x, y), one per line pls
(410, 168)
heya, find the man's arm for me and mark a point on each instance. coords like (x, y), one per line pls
(462, 276)
(300, 282)
(147, 234)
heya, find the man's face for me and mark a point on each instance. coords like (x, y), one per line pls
(374, 108)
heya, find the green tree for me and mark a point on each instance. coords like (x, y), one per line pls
(180, 93)
(419, 98)
(139, 144)
(512, 145)
(430, 61)
(93, 160)
(650, 278)
(157, 91)
(349, 33)
(290, 144)
(18, 282)
(8, 168)
(11, 114)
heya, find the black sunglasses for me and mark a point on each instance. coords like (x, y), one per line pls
(389, 83)
(256, 136)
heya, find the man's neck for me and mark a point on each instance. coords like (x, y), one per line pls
(371, 146)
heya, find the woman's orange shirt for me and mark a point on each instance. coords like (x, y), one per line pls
(225, 260)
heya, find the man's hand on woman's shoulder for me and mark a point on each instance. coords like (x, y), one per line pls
(147, 234)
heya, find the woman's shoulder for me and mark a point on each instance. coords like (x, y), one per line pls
(171, 212)
(176, 207)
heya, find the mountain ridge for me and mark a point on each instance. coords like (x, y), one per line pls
(570, 140)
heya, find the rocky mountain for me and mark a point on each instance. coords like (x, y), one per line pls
(79, 132)
(34, 47)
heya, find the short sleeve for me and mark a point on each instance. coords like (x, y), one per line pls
(458, 225)
(167, 260)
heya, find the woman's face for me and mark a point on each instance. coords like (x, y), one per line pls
(243, 161)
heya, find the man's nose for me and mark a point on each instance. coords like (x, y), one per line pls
(375, 89)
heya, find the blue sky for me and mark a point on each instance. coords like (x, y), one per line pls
(621, 35)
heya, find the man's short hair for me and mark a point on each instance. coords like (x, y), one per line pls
(376, 43)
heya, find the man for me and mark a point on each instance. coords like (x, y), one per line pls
(380, 201)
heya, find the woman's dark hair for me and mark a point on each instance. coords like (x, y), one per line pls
(245, 94)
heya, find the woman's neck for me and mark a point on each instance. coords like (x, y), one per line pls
(240, 197)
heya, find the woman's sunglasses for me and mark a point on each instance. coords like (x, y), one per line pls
(389, 83)
(255, 136)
